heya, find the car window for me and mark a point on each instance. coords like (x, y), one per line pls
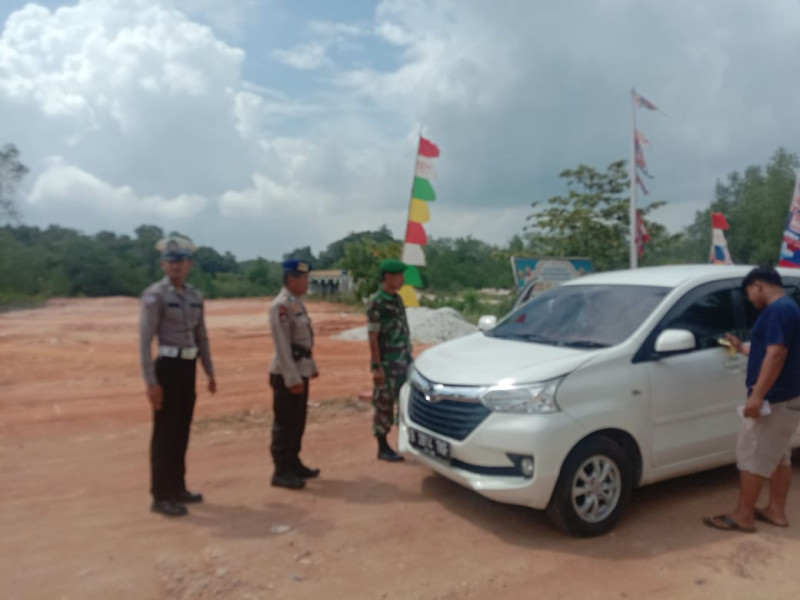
(583, 316)
(708, 318)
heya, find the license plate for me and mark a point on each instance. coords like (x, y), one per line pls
(428, 444)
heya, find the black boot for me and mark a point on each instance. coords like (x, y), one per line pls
(288, 479)
(385, 451)
(304, 472)
(168, 508)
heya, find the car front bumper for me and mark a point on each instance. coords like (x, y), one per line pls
(477, 461)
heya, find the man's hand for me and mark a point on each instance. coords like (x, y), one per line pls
(155, 394)
(212, 385)
(737, 344)
(297, 389)
(379, 376)
(752, 408)
(315, 374)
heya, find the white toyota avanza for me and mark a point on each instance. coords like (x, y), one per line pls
(606, 383)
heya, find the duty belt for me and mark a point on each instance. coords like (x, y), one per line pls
(176, 352)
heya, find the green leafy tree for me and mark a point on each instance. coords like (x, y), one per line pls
(303, 253)
(465, 263)
(333, 255)
(11, 173)
(362, 258)
(755, 204)
(592, 219)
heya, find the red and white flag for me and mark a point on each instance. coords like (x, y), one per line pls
(643, 102)
(642, 235)
(640, 183)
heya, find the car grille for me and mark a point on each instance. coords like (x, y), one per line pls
(449, 418)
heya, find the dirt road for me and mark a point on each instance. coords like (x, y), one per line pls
(74, 431)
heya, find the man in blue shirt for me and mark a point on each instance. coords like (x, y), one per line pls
(763, 450)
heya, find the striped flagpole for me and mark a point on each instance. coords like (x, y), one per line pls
(634, 253)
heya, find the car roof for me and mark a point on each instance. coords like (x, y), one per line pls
(670, 276)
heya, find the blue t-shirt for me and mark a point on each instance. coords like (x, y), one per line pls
(778, 323)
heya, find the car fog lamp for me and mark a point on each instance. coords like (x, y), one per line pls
(526, 465)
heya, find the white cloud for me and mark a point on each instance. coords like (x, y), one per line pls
(148, 105)
(313, 55)
(67, 186)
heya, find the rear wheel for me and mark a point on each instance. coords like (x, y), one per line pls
(593, 488)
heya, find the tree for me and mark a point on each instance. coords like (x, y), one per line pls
(303, 253)
(362, 258)
(11, 173)
(755, 204)
(465, 263)
(592, 219)
(334, 253)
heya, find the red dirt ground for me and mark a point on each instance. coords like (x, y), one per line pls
(74, 433)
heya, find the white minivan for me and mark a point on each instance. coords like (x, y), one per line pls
(606, 383)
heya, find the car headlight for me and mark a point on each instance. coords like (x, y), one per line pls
(533, 398)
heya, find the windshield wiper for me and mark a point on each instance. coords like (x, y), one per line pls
(530, 337)
(584, 344)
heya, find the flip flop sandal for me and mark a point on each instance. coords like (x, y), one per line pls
(725, 523)
(760, 516)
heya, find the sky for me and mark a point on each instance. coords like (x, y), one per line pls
(260, 126)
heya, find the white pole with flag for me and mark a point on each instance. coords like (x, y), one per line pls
(634, 256)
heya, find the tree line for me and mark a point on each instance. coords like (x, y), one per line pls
(590, 220)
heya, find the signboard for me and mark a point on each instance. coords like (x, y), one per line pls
(790, 247)
(545, 273)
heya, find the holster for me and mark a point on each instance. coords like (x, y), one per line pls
(300, 352)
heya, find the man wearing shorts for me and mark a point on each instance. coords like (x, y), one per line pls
(763, 450)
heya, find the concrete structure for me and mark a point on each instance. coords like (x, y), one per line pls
(331, 281)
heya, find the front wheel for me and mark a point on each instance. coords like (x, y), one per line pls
(592, 490)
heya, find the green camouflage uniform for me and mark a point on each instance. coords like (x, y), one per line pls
(386, 316)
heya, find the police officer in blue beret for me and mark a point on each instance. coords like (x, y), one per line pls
(172, 310)
(290, 370)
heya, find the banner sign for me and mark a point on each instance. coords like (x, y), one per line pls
(790, 247)
(547, 273)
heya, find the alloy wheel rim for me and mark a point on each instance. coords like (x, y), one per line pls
(596, 489)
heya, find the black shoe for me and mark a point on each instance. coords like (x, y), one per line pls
(389, 455)
(168, 508)
(304, 472)
(288, 480)
(187, 497)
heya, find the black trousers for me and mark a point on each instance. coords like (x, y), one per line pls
(290, 422)
(171, 427)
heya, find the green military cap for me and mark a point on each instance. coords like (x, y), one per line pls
(392, 265)
(175, 248)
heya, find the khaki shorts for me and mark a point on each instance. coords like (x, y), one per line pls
(766, 442)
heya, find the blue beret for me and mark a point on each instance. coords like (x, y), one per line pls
(175, 248)
(296, 266)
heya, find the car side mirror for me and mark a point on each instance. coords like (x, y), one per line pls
(671, 341)
(487, 322)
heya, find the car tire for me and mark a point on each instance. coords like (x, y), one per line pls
(593, 489)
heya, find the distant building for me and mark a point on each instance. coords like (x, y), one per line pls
(331, 281)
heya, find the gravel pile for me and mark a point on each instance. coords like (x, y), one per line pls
(428, 326)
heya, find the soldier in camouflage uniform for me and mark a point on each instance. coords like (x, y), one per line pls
(390, 352)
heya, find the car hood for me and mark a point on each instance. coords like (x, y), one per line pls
(478, 359)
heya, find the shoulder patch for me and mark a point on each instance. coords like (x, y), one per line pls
(283, 312)
(150, 299)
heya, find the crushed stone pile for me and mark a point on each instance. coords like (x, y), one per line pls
(428, 326)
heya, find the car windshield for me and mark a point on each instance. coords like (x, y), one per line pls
(582, 316)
